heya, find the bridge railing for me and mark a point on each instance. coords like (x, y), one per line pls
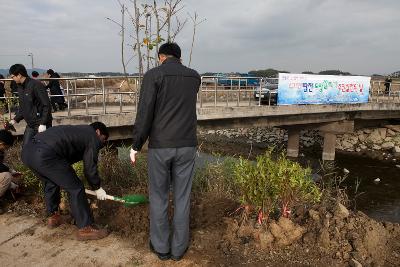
(87, 95)
(102, 95)
(382, 91)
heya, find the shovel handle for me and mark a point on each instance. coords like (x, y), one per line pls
(91, 192)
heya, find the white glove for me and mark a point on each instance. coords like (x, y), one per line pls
(133, 156)
(13, 186)
(42, 128)
(12, 122)
(101, 194)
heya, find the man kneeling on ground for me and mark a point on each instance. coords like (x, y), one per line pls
(8, 177)
(50, 155)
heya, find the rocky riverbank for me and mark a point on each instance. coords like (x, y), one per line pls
(384, 141)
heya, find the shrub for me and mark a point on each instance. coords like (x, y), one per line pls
(216, 178)
(118, 172)
(29, 179)
(294, 184)
(257, 188)
(268, 184)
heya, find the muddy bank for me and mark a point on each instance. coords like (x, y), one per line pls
(383, 143)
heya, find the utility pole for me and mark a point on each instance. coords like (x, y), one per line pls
(31, 55)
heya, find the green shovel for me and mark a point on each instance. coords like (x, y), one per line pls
(128, 200)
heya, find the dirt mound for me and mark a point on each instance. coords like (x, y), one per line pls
(341, 236)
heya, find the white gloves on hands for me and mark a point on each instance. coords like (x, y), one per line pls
(12, 122)
(42, 128)
(13, 186)
(101, 194)
(133, 156)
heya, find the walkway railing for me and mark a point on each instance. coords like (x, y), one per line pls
(105, 95)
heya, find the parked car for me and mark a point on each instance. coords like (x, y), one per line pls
(269, 93)
(234, 80)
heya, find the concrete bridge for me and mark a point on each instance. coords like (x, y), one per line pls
(219, 107)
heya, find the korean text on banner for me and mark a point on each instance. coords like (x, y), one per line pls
(322, 89)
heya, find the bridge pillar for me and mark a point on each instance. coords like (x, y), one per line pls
(328, 152)
(293, 142)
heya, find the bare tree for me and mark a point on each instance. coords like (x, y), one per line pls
(195, 24)
(171, 9)
(122, 34)
(137, 25)
(178, 29)
(158, 30)
(150, 23)
(147, 32)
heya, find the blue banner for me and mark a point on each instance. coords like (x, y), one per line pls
(322, 89)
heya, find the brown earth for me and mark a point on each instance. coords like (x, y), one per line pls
(329, 236)
(321, 235)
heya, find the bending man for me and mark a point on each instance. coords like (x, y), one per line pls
(50, 155)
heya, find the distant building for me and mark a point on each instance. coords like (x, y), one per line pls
(395, 74)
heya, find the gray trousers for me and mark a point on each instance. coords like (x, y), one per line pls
(170, 168)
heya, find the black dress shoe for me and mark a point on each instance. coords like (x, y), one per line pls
(161, 256)
(178, 258)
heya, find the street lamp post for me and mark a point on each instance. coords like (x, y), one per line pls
(31, 55)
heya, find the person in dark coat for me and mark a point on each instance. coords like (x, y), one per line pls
(3, 101)
(167, 116)
(50, 155)
(34, 105)
(8, 177)
(388, 82)
(57, 97)
(35, 74)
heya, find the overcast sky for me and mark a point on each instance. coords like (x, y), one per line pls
(358, 36)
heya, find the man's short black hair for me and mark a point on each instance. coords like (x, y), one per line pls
(50, 71)
(6, 137)
(35, 74)
(18, 69)
(101, 127)
(170, 49)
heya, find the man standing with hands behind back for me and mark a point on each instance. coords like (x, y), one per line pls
(34, 103)
(167, 116)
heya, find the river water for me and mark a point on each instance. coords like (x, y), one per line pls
(379, 200)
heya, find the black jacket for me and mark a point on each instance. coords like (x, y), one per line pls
(3, 167)
(75, 143)
(55, 89)
(2, 89)
(167, 107)
(34, 104)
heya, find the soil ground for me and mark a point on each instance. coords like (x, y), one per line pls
(321, 235)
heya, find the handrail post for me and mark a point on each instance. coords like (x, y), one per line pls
(104, 95)
(87, 105)
(259, 93)
(200, 93)
(215, 95)
(120, 102)
(137, 94)
(379, 89)
(68, 101)
(76, 91)
(238, 93)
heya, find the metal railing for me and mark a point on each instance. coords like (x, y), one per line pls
(105, 95)
(91, 95)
